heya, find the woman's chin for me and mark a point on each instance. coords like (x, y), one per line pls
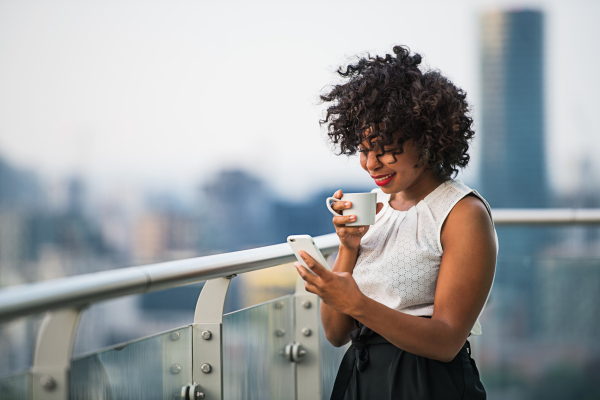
(388, 189)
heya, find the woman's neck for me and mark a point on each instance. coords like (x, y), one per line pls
(417, 191)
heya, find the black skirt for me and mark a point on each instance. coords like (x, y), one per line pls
(375, 369)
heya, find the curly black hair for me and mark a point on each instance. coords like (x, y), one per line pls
(391, 100)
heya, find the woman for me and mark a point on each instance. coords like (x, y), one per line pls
(408, 290)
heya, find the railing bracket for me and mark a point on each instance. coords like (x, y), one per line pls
(207, 339)
(52, 358)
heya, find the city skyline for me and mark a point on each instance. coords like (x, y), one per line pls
(142, 107)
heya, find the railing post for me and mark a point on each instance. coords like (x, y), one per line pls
(52, 358)
(207, 339)
(306, 333)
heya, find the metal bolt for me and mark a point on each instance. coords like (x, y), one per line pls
(48, 383)
(176, 368)
(306, 303)
(306, 331)
(279, 332)
(174, 336)
(200, 395)
(206, 368)
(206, 335)
(279, 305)
(301, 353)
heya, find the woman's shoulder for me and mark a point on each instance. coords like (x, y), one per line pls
(470, 206)
(469, 199)
(441, 200)
(468, 211)
(455, 198)
(469, 216)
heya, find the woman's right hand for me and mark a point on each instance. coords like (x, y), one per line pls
(350, 236)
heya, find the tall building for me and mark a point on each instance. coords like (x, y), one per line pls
(513, 168)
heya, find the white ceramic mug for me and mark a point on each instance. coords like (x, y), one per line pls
(364, 206)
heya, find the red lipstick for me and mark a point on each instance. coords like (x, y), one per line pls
(385, 181)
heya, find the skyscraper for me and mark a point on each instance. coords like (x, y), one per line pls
(513, 169)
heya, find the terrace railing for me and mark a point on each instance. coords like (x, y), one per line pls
(275, 350)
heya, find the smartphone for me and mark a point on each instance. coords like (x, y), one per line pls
(306, 243)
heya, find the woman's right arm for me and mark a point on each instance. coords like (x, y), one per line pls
(337, 326)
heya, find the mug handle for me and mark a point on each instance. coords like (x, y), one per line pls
(329, 205)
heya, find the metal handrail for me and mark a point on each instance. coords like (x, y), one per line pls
(549, 216)
(84, 289)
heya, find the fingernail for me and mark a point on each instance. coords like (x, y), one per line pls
(352, 217)
(361, 229)
(348, 204)
(297, 264)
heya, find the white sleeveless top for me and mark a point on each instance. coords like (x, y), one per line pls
(399, 257)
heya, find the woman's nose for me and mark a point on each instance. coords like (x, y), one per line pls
(372, 161)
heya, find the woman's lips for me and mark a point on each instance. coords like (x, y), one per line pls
(382, 180)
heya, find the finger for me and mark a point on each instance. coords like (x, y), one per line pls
(311, 288)
(341, 205)
(350, 230)
(338, 194)
(304, 274)
(378, 208)
(301, 271)
(313, 265)
(346, 219)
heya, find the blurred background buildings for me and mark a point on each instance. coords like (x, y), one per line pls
(248, 177)
(541, 345)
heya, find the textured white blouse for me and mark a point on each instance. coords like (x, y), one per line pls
(399, 257)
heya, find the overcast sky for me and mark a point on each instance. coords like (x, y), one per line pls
(166, 93)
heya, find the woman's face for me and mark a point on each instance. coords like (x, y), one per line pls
(393, 176)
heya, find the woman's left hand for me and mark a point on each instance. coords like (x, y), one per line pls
(337, 289)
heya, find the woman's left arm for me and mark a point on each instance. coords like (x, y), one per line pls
(464, 281)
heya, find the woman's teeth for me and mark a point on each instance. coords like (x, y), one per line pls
(384, 178)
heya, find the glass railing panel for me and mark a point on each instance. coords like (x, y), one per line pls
(254, 340)
(155, 367)
(540, 329)
(108, 323)
(330, 362)
(17, 344)
(15, 387)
